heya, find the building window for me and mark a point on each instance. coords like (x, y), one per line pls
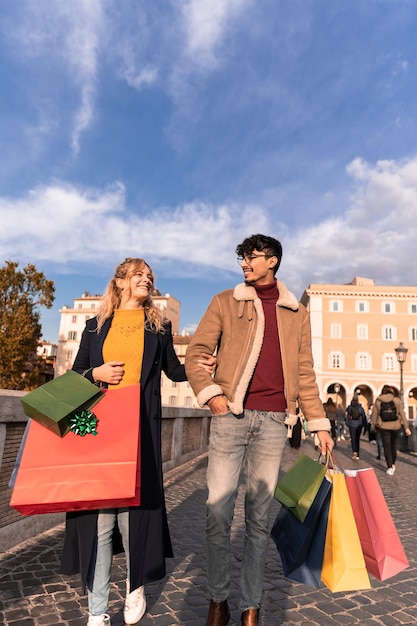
(80, 305)
(412, 308)
(362, 306)
(72, 335)
(388, 307)
(388, 363)
(69, 355)
(336, 331)
(336, 306)
(173, 383)
(93, 305)
(172, 400)
(413, 333)
(74, 319)
(362, 331)
(87, 317)
(389, 333)
(335, 360)
(363, 361)
(414, 362)
(188, 401)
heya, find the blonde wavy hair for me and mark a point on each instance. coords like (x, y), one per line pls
(154, 319)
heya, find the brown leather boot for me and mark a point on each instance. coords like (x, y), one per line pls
(250, 617)
(218, 614)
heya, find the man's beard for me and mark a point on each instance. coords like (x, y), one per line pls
(250, 282)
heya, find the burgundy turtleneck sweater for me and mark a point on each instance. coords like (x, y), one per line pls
(266, 389)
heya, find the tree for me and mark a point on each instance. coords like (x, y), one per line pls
(22, 293)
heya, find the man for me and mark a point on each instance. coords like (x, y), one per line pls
(264, 371)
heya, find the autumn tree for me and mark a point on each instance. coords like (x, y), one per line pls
(22, 293)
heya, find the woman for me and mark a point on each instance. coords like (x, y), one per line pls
(128, 342)
(387, 418)
(355, 421)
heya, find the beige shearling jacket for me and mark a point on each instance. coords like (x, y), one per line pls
(233, 324)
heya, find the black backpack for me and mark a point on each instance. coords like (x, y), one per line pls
(354, 411)
(388, 411)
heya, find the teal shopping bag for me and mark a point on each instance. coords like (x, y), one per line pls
(298, 488)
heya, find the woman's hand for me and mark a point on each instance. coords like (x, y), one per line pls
(407, 432)
(111, 372)
(208, 362)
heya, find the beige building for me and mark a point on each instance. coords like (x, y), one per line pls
(72, 324)
(356, 329)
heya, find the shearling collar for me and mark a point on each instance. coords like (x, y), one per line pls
(286, 299)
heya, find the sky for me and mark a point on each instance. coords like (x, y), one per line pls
(171, 130)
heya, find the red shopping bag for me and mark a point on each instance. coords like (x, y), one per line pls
(83, 473)
(382, 549)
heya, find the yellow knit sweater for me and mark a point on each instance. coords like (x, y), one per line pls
(124, 342)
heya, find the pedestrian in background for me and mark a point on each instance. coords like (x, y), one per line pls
(330, 411)
(340, 422)
(264, 371)
(387, 418)
(355, 421)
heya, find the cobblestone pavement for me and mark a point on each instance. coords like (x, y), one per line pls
(34, 593)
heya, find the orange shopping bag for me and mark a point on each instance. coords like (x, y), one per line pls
(83, 473)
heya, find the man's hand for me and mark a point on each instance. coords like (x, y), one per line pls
(218, 405)
(326, 441)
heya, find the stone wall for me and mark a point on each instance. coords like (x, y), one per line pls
(185, 434)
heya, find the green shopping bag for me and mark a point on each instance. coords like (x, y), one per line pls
(53, 403)
(297, 489)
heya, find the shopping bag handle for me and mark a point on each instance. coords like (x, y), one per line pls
(330, 462)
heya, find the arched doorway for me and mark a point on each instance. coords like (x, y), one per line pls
(412, 404)
(365, 396)
(337, 392)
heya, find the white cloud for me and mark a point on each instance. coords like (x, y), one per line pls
(205, 25)
(373, 237)
(65, 39)
(67, 225)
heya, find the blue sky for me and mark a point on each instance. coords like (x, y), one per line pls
(172, 130)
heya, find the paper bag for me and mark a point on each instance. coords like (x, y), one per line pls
(53, 403)
(382, 549)
(83, 473)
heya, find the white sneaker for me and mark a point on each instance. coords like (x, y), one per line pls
(393, 468)
(338, 438)
(390, 471)
(342, 438)
(135, 605)
(99, 620)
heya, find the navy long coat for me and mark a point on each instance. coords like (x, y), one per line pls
(149, 540)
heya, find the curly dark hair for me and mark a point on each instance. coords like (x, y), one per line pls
(262, 243)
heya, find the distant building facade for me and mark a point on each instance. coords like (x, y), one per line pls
(355, 330)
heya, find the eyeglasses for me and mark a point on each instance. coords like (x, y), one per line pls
(249, 257)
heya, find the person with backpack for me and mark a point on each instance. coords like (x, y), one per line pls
(355, 421)
(387, 418)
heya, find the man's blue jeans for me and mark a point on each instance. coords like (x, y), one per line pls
(98, 584)
(255, 441)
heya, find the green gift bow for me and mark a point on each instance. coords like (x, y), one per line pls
(84, 423)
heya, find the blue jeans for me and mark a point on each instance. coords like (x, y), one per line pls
(98, 584)
(255, 441)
